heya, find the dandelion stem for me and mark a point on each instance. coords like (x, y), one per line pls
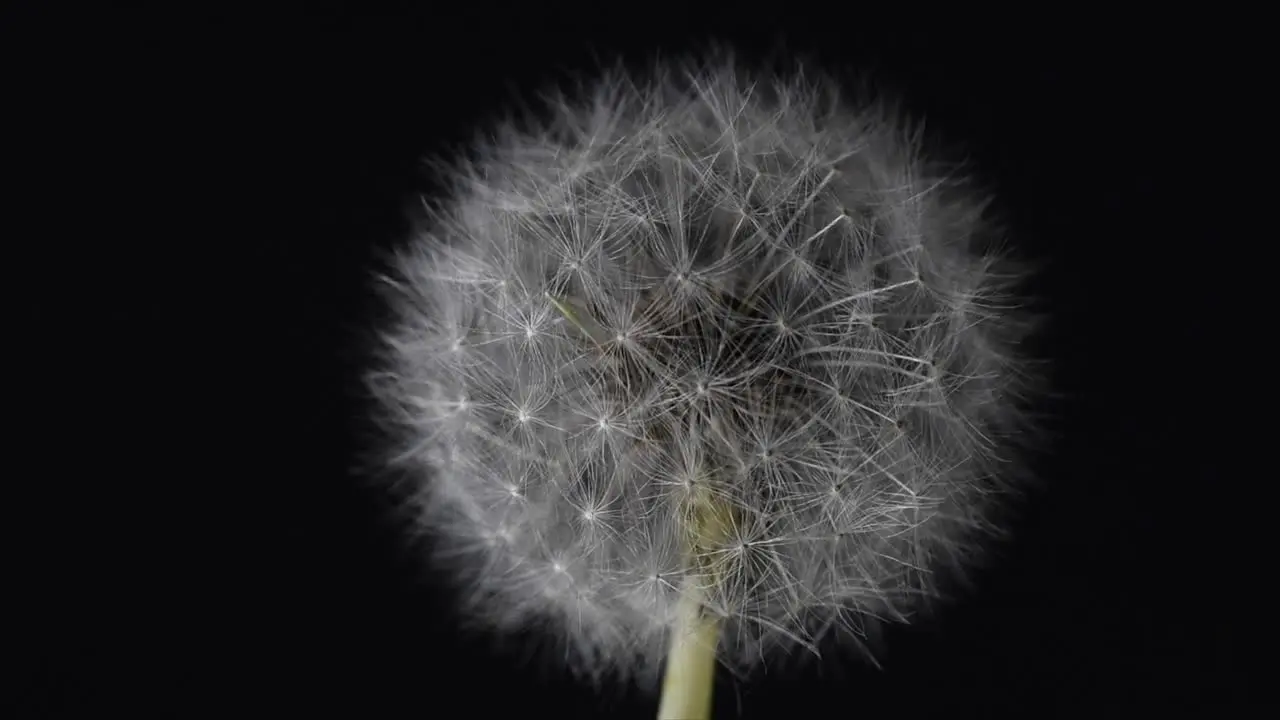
(691, 661)
(691, 657)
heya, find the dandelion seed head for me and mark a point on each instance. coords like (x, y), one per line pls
(705, 283)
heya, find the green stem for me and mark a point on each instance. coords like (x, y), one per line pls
(691, 657)
(691, 662)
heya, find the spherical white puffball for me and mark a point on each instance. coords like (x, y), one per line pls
(704, 291)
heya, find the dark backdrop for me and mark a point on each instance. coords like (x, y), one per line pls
(240, 170)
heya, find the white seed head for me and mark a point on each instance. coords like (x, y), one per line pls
(704, 289)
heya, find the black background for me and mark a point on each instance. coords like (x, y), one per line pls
(229, 177)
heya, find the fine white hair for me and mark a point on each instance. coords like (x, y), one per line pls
(704, 280)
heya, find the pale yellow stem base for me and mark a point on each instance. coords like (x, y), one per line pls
(691, 663)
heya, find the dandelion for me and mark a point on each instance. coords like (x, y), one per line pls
(704, 367)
